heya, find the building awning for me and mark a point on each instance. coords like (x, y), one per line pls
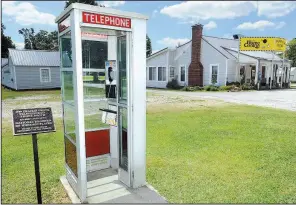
(256, 55)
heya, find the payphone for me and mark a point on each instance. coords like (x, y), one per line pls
(110, 70)
(103, 73)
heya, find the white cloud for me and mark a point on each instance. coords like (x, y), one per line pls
(273, 9)
(280, 25)
(19, 45)
(209, 10)
(112, 3)
(172, 42)
(210, 25)
(154, 13)
(260, 25)
(26, 13)
(188, 22)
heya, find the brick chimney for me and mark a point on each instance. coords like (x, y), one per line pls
(195, 71)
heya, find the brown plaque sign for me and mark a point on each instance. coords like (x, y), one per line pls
(32, 121)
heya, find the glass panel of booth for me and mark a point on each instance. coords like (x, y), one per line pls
(123, 138)
(66, 50)
(122, 68)
(94, 42)
(68, 102)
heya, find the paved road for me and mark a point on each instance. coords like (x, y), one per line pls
(282, 99)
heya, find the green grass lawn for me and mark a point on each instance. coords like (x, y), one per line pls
(18, 178)
(233, 154)
(11, 94)
(226, 154)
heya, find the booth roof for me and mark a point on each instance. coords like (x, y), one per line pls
(98, 9)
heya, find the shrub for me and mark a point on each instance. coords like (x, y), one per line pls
(225, 87)
(188, 88)
(233, 83)
(247, 87)
(173, 84)
(198, 88)
(191, 88)
(211, 88)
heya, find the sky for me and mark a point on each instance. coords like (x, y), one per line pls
(169, 21)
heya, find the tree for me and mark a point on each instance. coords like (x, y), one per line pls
(291, 51)
(6, 43)
(28, 38)
(148, 46)
(43, 40)
(46, 41)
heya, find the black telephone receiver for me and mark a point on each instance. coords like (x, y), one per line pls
(109, 74)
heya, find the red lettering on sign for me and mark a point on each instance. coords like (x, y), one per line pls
(106, 20)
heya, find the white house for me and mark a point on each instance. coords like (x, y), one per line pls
(206, 60)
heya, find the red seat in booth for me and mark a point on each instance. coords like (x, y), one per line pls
(97, 142)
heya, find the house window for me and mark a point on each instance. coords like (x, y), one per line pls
(152, 73)
(172, 72)
(182, 74)
(214, 76)
(45, 75)
(161, 73)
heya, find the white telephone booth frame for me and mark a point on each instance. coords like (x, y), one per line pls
(136, 86)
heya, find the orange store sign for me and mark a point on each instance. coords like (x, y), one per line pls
(106, 20)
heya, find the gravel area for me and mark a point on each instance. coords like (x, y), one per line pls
(153, 101)
(280, 99)
(30, 102)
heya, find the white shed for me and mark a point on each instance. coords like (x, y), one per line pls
(31, 69)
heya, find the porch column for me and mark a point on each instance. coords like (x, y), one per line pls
(245, 73)
(283, 70)
(282, 76)
(271, 77)
(256, 75)
(289, 73)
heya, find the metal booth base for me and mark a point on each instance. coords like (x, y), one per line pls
(104, 187)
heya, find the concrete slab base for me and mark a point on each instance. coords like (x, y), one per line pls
(104, 187)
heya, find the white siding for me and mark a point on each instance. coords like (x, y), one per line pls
(29, 78)
(183, 55)
(172, 63)
(210, 55)
(8, 77)
(231, 70)
(158, 60)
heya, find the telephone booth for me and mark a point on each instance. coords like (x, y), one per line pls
(103, 78)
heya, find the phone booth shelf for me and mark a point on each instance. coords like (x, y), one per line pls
(103, 71)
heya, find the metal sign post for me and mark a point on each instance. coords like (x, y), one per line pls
(37, 171)
(33, 121)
